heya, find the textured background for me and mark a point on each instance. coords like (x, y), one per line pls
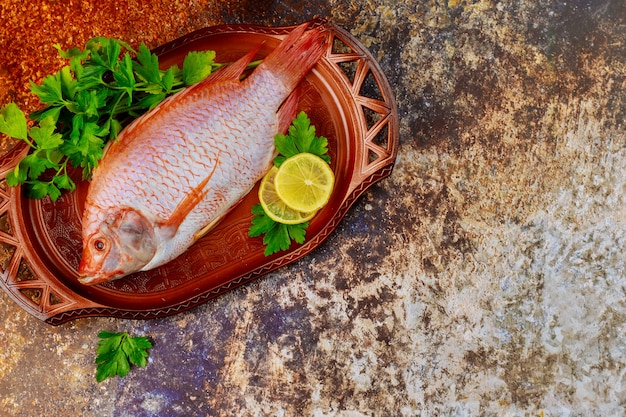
(484, 277)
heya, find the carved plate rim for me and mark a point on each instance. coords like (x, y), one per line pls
(372, 161)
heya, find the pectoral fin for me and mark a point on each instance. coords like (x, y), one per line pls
(188, 203)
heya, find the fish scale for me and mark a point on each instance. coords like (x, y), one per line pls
(181, 167)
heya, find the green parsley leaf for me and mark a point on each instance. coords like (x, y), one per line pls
(297, 232)
(277, 236)
(71, 53)
(125, 78)
(261, 223)
(44, 135)
(104, 52)
(116, 353)
(300, 138)
(197, 66)
(50, 90)
(68, 83)
(16, 177)
(276, 239)
(54, 112)
(147, 66)
(35, 164)
(64, 182)
(286, 146)
(149, 102)
(168, 80)
(13, 122)
(88, 102)
(42, 189)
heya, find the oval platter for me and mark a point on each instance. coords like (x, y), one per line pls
(348, 100)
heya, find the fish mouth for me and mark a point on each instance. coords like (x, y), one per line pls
(93, 279)
(88, 275)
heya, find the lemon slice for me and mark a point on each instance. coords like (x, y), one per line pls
(304, 182)
(274, 207)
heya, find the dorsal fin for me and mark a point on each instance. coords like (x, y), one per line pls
(229, 72)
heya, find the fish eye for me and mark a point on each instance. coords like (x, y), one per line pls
(99, 245)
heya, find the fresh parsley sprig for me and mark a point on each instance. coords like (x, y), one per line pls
(300, 138)
(117, 352)
(276, 236)
(86, 104)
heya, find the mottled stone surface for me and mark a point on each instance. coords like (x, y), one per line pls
(486, 276)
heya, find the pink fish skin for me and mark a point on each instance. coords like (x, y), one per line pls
(177, 170)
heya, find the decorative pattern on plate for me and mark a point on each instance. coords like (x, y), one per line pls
(348, 100)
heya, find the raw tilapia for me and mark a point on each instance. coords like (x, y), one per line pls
(176, 171)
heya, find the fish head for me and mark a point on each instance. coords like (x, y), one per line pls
(120, 244)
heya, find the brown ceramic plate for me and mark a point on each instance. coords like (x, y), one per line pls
(348, 100)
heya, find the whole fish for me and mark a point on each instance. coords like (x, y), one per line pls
(177, 170)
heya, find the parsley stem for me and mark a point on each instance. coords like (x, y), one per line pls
(114, 109)
(62, 169)
(29, 143)
(254, 64)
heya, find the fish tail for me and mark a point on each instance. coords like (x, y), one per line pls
(296, 54)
